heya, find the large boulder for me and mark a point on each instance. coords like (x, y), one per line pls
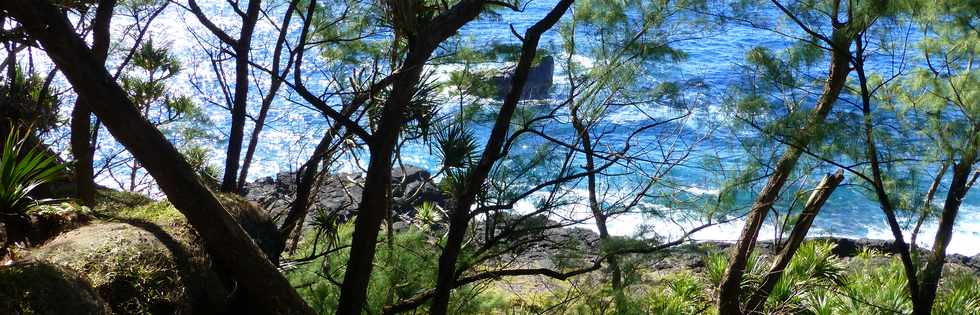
(35, 287)
(140, 268)
(538, 84)
(148, 260)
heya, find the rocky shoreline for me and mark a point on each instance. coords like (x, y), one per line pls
(339, 194)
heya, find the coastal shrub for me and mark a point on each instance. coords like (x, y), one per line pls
(875, 284)
(682, 293)
(404, 267)
(813, 268)
(960, 294)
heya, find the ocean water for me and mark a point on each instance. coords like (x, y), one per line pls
(713, 60)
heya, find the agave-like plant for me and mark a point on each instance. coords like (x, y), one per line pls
(22, 169)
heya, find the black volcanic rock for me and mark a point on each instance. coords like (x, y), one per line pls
(337, 195)
(539, 80)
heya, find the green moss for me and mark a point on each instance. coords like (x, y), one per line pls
(140, 267)
(108, 200)
(146, 258)
(161, 212)
(131, 267)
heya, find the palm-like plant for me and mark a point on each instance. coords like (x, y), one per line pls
(22, 169)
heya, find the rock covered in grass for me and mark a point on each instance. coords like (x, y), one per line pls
(148, 260)
(37, 287)
(140, 268)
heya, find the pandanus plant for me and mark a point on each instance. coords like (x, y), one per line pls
(22, 169)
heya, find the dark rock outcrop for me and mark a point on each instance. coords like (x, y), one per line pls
(336, 196)
(539, 80)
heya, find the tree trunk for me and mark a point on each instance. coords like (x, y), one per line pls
(729, 290)
(934, 267)
(229, 182)
(232, 250)
(82, 145)
(83, 152)
(305, 180)
(879, 185)
(597, 213)
(253, 141)
(375, 199)
(460, 216)
(796, 237)
(927, 205)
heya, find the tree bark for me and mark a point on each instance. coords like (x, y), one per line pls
(375, 199)
(82, 146)
(796, 237)
(597, 213)
(729, 290)
(239, 108)
(879, 186)
(232, 250)
(934, 267)
(270, 96)
(927, 205)
(460, 215)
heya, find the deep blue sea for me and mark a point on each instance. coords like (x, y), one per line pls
(713, 60)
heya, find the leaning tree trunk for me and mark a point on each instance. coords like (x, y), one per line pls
(796, 237)
(232, 250)
(82, 146)
(934, 267)
(884, 201)
(730, 288)
(460, 216)
(375, 199)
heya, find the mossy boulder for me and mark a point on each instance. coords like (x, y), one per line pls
(140, 268)
(147, 259)
(37, 287)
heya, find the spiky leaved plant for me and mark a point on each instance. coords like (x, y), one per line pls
(22, 169)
